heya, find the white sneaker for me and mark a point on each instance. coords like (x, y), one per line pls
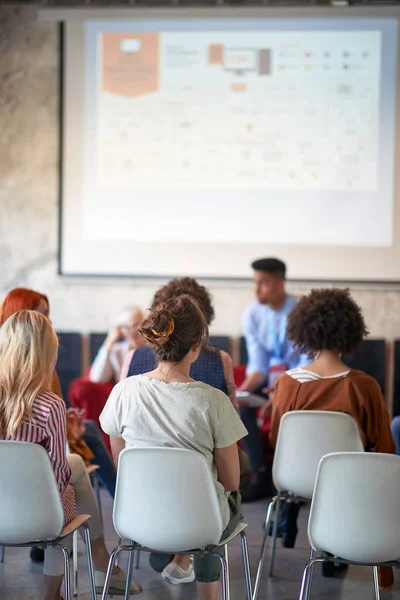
(117, 584)
(176, 575)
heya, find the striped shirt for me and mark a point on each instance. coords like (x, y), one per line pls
(48, 429)
(302, 375)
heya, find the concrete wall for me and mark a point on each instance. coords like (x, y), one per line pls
(29, 201)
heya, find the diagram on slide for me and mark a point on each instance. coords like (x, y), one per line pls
(296, 110)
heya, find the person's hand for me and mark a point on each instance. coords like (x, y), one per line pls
(265, 410)
(75, 422)
(267, 390)
(113, 336)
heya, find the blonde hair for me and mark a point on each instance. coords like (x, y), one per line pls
(28, 353)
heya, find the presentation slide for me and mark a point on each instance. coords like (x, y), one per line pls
(259, 133)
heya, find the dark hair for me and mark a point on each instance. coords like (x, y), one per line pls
(172, 328)
(327, 319)
(274, 266)
(189, 286)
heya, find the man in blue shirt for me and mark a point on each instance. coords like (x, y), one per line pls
(269, 355)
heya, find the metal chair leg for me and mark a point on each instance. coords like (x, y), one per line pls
(67, 573)
(228, 581)
(376, 583)
(75, 563)
(88, 546)
(96, 485)
(246, 564)
(129, 574)
(111, 564)
(274, 535)
(309, 581)
(306, 582)
(137, 559)
(268, 518)
(1, 554)
(224, 575)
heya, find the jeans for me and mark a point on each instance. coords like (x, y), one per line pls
(395, 426)
(106, 473)
(85, 505)
(253, 443)
(208, 568)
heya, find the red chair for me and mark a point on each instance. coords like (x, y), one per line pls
(90, 397)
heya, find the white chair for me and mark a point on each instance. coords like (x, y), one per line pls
(166, 502)
(304, 437)
(31, 513)
(354, 515)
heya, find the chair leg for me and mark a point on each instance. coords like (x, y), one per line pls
(1, 554)
(88, 546)
(268, 518)
(246, 564)
(224, 575)
(274, 536)
(137, 559)
(376, 583)
(306, 582)
(110, 567)
(75, 563)
(67, 571)
(309, 581)
(96, 485)
(129, 574)
(228, 581)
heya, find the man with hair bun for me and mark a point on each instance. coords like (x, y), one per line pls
(269, 355)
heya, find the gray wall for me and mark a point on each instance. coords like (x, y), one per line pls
(29, 197)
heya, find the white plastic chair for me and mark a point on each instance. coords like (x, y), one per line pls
(304, 437)
(361, 526)
(31, 513)
(166, 502)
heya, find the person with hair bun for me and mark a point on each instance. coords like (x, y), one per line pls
(326, 324)
(166, 407)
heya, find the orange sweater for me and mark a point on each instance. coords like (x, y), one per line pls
(358, 395)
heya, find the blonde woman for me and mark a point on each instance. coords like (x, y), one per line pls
(30, 412)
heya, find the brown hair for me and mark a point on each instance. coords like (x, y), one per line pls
(327, 319)
(174, 327)
(189, 286)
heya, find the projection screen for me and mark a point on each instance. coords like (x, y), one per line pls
(194, 141)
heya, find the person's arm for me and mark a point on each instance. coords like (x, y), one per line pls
(258, 358)
(280, 406)
(102, 370)
(228, 467)
(379, 434)
(117, 445)
(56, 446)
(227, 366)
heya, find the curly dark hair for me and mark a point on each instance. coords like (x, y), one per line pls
(189, 286)
(327, 319)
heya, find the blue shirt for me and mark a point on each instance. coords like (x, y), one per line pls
(265, 333)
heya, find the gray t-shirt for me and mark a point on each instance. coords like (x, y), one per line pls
(194, 415)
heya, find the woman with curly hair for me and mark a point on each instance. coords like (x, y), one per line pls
(327, 324)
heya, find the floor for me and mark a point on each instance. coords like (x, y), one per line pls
(20, 580)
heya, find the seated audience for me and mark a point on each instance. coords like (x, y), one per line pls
(214, 367)
(121, 339)
(166, 407)
(84, 437)
(326, 324)
(31, 412)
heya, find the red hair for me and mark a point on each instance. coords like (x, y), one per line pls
(20, 299)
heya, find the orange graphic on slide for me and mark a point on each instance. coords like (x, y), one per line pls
(130, 63)
(216, 54)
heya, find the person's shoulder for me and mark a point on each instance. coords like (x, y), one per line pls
(208, 392)
(360, 379)
(292, 300)
(47, 402)
(128, 383)
(252, 310)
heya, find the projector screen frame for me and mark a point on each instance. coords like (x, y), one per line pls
(317, 12)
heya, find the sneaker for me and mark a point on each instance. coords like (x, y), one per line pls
(117, 584)
(175, 574)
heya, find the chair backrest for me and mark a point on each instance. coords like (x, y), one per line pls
(304, 437)
(208, 368)
(30, 504)
(355, 507)
(166, 499)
